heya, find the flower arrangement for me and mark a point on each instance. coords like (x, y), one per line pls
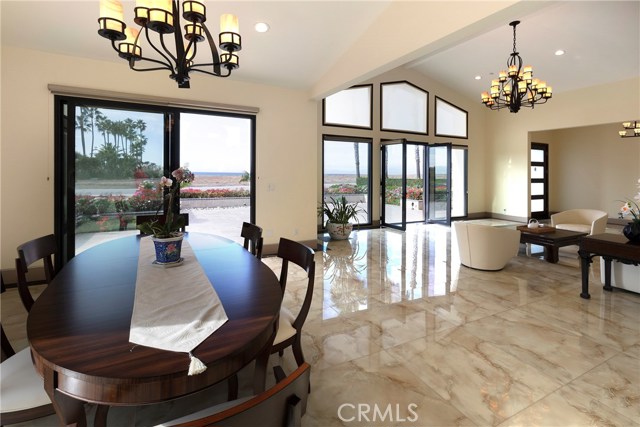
(630, 207)
(172, 224)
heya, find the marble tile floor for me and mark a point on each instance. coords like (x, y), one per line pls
(401, 334)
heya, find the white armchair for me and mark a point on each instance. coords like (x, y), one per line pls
(585, 220)
(484, 247)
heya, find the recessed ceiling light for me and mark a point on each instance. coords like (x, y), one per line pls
(477, 77)
(559, 52)
(261, 27)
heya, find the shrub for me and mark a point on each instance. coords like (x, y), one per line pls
(212, 193)
(147, 197)
(84, 206)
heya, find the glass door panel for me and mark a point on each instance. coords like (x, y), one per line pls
(415, 182)
(394, 178)
(119, 159)
(439, 201)
(217, 149)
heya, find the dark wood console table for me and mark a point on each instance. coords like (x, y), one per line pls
(551, 241)
(609, 246)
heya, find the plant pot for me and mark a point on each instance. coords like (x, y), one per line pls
(168, 250)
(339, 231)
(632, 231)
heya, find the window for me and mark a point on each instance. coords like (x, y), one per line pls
(451, 121)
(349, 108)
(110, 157)
(346, 166)
(404, 108)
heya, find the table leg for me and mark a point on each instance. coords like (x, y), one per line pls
(585, 260)
(607, 274)
(70, 411)
(551, 254)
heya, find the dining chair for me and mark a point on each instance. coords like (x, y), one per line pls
(284, 404)
(141, 219)
(290, 325)
(43, 248)
(253, 240)
(21, 388)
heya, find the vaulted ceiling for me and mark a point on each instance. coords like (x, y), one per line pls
(307, 38)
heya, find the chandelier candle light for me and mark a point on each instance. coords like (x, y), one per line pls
(516, 87)
(632, 129)
(162, 17)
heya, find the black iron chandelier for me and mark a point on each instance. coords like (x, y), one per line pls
(516, 87)
(160, 18)
(632, 129)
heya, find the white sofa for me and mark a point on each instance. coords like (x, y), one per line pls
(484, 247)
(590, 221)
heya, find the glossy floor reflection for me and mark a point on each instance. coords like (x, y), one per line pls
(400, 333)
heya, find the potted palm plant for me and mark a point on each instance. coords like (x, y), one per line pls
(339, 215)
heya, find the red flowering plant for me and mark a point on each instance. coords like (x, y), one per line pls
(172, 224)
(414, 193)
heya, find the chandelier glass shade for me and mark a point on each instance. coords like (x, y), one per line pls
(171, 48)
(516, 87)
(632, 129)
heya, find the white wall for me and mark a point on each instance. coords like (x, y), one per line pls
(591, 167)
(285, 147)
(508, 138)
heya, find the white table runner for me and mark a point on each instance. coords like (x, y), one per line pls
(175, 308)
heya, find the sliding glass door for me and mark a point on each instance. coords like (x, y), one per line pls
(114, 158)
(110, 156)
(218, 150)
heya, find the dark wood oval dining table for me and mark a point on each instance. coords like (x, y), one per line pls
(78, 328)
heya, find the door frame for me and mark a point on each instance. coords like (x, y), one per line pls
(383, 162)
(429, 194)
(544, 214)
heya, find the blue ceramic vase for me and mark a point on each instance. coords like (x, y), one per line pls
(168, 250)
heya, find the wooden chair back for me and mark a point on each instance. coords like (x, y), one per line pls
(142, 219)
(253, 241)
(299, 254)
(303, 256)
(43, 248)
(284, 404)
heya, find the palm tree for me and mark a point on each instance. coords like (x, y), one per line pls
(82, 123)
(95, 114)
(418, 161)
